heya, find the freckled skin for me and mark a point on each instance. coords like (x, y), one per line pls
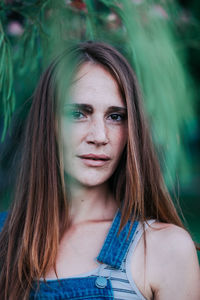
(96, 132)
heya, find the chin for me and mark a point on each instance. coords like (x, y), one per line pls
(92, 184)
(90, 180)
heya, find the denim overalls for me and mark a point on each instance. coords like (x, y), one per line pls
(97, 287)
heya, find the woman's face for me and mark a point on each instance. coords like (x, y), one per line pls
(93, 126)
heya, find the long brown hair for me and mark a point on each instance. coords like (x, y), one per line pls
(39, 213)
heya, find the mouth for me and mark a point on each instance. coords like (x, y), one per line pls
(95, 157)
(93, 160)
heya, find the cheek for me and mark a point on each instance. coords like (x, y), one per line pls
(70, 135)
(119, 139)
(70, 143)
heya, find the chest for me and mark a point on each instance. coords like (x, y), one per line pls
(78, 250)
(80, 247)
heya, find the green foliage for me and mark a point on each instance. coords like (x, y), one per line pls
(164, 78)
(144, 31)
(6, 80)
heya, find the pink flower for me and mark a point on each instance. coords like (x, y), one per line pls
(159, 11)
(15, 28)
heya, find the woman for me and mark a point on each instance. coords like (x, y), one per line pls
(89, 187)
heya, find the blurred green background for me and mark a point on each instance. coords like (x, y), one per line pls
(161, 39)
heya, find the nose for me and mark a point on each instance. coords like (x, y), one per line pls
(97, 133)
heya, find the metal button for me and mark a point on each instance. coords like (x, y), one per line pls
(101, 282)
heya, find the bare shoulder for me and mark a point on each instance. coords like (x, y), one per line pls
(173, 266)
(169, 242)
(170, 235)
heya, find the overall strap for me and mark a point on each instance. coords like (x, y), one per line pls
(3, 216)
(116, 246)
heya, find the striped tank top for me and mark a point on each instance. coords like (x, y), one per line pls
(124, 287)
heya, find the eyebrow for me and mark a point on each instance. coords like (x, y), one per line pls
(117, 109)
(81, 106)
(89, 108)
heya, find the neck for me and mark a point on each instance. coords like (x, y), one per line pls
(91, 203)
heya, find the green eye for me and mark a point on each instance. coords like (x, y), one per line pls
(74, 114)
(77, 114)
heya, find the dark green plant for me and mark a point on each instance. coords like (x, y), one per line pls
(145, 31)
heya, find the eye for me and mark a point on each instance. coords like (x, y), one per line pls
(75, 114)
(117, 117)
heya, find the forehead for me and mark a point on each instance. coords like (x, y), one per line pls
(93, 83)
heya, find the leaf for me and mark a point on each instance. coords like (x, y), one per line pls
(90, 20)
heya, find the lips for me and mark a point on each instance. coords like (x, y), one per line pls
(95, 157)
(94, 160)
